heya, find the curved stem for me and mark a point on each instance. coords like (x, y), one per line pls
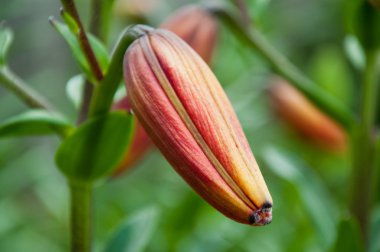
(104, 92)
(80, 216)
(28, 95)
(281, 65)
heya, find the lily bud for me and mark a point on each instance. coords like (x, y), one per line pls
(298, 112)
(186, 113)
(140, 142)
(195, 26)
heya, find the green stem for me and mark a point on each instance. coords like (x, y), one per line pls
(363, 173)
(280, 64)
(80, 215)
(28, 95)
(105, 91)
(98, 22)
(370, 86)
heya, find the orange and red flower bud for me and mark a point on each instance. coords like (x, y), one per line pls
(195, 26)
(304, 117)
(140, 142)
(186, 113)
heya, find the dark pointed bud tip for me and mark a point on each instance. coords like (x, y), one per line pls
(262, 216)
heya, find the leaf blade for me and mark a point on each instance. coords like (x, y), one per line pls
(34, 123)
(71, 39)
(96, 147)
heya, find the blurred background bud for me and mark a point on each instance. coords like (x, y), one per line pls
(140, 142)
(304, 117)
(197, 27)
(135, 10)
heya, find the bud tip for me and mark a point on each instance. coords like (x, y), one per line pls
(262, 216)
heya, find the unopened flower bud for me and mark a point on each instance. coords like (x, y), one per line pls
(186, 113)
(305, 118)
(195, 26)
(140, 142)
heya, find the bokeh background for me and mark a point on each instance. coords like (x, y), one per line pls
(309, 185)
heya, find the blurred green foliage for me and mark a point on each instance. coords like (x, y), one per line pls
(309, 186)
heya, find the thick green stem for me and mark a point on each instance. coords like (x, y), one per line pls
(104, 92)
(363, 174)
(280, 64)
(28, 95)
(80, 216)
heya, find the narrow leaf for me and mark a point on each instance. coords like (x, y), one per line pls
(99, 49)
(134, 234)
(33, 123)
(70, 22)
(6, 37)
(96, 147)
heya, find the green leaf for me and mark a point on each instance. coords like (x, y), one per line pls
(96, 147)
(74, 89)
(349, 238)
(134, 234)
(99, 49)
(34, 122)
(6, 37)
(312, 192)
(70, 22)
